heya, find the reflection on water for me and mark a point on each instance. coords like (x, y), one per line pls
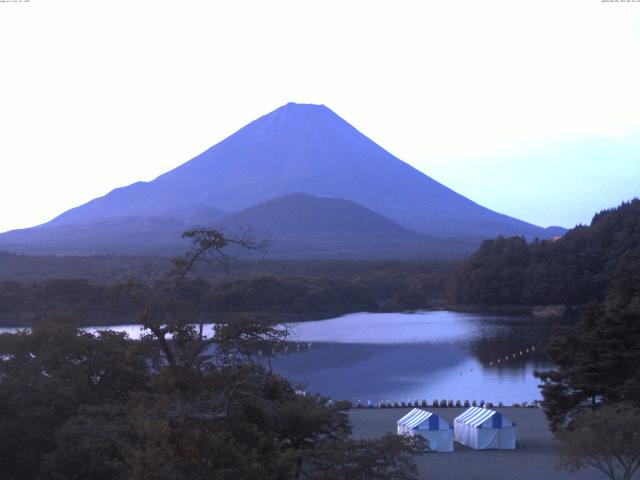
(387, 328)
(422, 355)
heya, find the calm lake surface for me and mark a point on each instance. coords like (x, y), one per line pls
(421, 355)
(409, 356)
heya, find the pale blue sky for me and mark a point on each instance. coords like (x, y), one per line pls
(529, 108)
(561, 183)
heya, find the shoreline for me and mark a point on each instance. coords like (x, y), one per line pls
(109, 320)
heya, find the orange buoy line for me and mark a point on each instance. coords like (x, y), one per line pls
(514, 355)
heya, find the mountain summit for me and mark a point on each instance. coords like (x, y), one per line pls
(307, 149)
(304, 148)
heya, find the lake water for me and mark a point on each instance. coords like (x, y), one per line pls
(422, 355)
(409, 356)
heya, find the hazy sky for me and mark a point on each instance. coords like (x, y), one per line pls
(531, 108)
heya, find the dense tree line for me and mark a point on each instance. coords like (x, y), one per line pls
(174, 405)
(285, 296)
(109, 269)
(592, 396)
(573, 270)
(23, 303)
(598, 357)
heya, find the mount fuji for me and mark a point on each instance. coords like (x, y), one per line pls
(296, 149)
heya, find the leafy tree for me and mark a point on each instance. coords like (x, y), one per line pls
(598, 360)
(165, 314)
(179, 404)
(47, 374)
(607, 439)
(94, 444)
(389, 457)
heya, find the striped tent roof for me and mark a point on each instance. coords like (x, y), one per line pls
(476, 416)
(414, 418)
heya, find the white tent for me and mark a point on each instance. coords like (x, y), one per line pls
(481, 428)
(438, 432)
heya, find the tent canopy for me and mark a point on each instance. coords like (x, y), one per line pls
(481, 428)
(436, 431)
(478, 417)
(423, 420)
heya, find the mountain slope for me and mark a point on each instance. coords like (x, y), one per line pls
(296, 148)
(295, 225)
(138, 235)
(310, 149)
(304, 216)
(303, 225)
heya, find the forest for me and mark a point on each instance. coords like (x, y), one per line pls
(591, 397)
(176, 404)
(155, 408)
(282, 290)
(573, 270)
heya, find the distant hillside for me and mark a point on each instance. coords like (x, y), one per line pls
(303, 225)
(576, 269)
(295, 226)
(296, 148)
(305, 216)
(119, 235)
